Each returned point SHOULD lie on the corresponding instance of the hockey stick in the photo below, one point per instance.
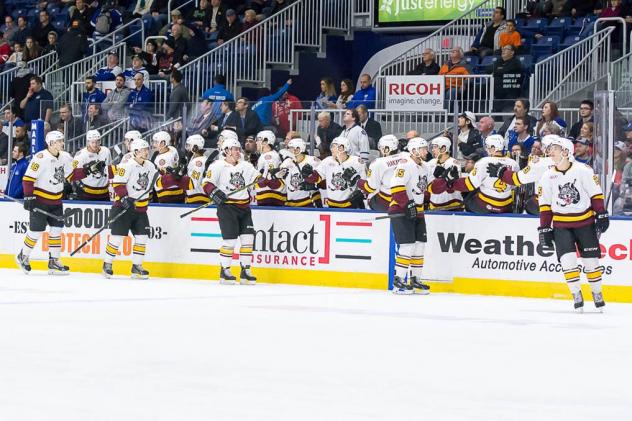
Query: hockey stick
(390, 216)
(38, 210)
(206, 205)
(112, 220)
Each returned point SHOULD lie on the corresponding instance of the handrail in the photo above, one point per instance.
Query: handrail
(177, 8)
(111, 36)
(614, 19)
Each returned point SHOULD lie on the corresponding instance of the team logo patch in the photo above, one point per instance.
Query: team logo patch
(568, 194)
(198, 163)
(422, 185)
(237, 180)
(338, 183)
(295, 181)
(58, 177)
(142, 182)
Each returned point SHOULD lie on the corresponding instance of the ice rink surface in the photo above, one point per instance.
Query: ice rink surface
(84, 348)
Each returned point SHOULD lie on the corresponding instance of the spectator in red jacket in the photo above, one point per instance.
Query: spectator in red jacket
(281, 112)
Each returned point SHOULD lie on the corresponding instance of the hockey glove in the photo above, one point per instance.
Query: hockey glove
(439, 172)
(29, 203)
(218, 197)
(356, 196)
(494, 170)
(411, 210)
(602, 222)
(545, 236)
(305, 186)
(306, 171)
(452, 175)
(351, 176)
(277, 173)
(128, 202)
(94, 167)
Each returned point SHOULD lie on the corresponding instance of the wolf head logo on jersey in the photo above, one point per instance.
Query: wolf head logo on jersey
(568, 194)
(422, 185)
(295, 181)
(142, 182)
(237, 180)
(58, 177)
(337, 182)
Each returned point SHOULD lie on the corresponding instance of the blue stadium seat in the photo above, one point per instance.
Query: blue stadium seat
(531, 27)
(569, 40)
(18, 12)
(53, 9)
(472, 61)
(558, 27)
(60, 25)
(481, 68)
(545, 46)
(527, 63)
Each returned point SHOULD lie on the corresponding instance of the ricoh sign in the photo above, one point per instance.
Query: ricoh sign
(414, 93)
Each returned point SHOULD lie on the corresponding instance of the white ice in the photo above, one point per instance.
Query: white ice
(89, 349)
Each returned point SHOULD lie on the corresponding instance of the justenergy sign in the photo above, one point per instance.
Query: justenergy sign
(414, 93)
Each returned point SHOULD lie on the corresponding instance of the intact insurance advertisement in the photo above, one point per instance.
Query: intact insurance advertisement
(403, 11)
(311, 240)
(507, 248)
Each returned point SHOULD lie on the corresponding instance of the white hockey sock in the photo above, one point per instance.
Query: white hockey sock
(138, 251)
(593, 273)
(114, 242)
(402, 260)
(54, 242)
(571, 271)
(30, 240)
(245, 250)
(226, 253)
(417, 259)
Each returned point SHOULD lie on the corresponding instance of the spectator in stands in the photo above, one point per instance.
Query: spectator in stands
(371, 127)
(411, 134)
(428, 65)
(72, 45)
(5, 49)
(82, 13)
(250, 20)
(327, 96)
(38, 103)
(507, 74)
(179, 96)
(556, 8)
(106, 18)
(550, 113)
(586, 131)
(158, 10)
(583, 151)
(69, 125)
(203, 120)
(31, 50)
(229, 119)
(263, 107)
(92, 94)
(585, 116)
(454, 67)
(94, 119)
(366, 94)
(486, 127)
(17, 55)
(23, 30)
(9, 28)
(111, 70)
(469, 139)
(536, 149)
(249, 122)
(18, 169)
(137, 67)
(346, 94)
(218, 16)
(201, 16)
(487, 40)
(149, 57)
(581, 8)
(140, 102)
(10, 117)
(521, 109)
(520, 135)
(510, 36)
(179, 44)
(326, 132)
(229, 29)
(114, 104)
(517, 152)
(279, 5)
(20, 85)
(20, 133)
(43, 27)
(166, 59)
(196, 45)
(51, 44)
(217, 94)
(281, 112)
(4, 141)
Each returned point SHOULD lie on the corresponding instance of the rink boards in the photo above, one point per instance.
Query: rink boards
(496, 255)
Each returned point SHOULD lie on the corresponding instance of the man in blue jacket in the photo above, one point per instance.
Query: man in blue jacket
(217, 94)
(140, 102)
(18, 169)
(263, 107)
(92, 95)
(366, 94)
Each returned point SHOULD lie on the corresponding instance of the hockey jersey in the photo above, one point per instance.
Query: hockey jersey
(379, 177)
(445, 200)
(94, 186)
(193, 180)
(133, 179)
(229, 178)
(166, 190)
(293, 180)
(46, 175)
(167, 159)
(532, 173)
(272, 192)
(338, 190)
(570, 198)
(492, 190)
(358, 142)
(409, 182)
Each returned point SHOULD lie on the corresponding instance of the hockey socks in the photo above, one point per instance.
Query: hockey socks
(417, 259)
(403, 260)
(140, 244)
(111, 249)
(30, 240)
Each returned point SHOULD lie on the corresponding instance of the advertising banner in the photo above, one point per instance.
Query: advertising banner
(414, 93)
(420, 12)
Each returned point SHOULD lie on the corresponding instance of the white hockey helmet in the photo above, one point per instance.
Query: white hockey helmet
(388, 141)
(266, 135)
(93, 135)
(138, 144)
(341, 141)
(570, 146)
(225, 135)
(161, 136)
(441, 142)
(415, 145)
(496, 141)
(132, 135)
(54, 136)
(230, 142)
(298, 143)
(195, 141)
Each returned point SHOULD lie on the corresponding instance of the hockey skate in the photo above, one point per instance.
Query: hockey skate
(23, 263)
(418, 286)
(578, 300)
(401, 287)
(138, 272)
(107, 270)
(246, 277)
(226, 278)
(598, 300)
(56, 268)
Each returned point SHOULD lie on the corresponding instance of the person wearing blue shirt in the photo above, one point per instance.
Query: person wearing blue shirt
(18, 169)
(217, 94)
(520, 135)
(327, 97)
(116, 19)
(366, 94)
(140, 102)
(36, 101)
(263, 107)
(111, 71)
(92, 95)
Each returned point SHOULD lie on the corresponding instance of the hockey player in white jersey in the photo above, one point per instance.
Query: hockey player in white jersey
(572, 216)
(441, 163)
(408, 189)
(271, 189)
(377, 185)
(43, 185)
(340, 173)
(91, 169)
(167, 161)
(225, 183)
(130, 183)
(493, 195)
(192, 182)
(128, 137)
(358, 139)
(299, 192)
